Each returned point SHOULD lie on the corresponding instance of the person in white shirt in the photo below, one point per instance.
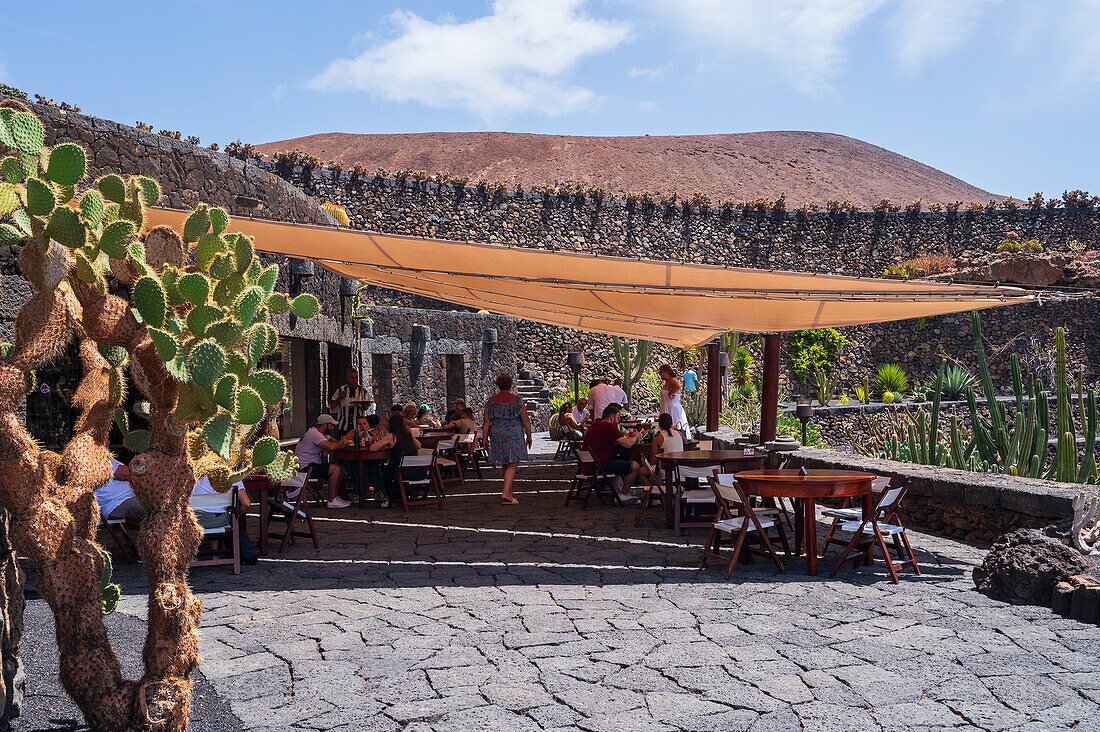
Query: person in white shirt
(342, 400)
(600, 396)
(580, 414)
(116, 498)
(313, 449)
(214, 519)
(620, 395)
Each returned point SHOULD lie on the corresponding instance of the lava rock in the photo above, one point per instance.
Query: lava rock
(1024, 566)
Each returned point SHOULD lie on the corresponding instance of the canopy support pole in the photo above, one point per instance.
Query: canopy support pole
(714, 387)
(769, 398)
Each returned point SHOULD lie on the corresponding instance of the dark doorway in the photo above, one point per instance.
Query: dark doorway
(382, 380)
(456, 378)
(339, 363)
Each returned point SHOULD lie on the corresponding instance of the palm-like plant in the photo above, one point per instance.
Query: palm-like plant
(891, 378)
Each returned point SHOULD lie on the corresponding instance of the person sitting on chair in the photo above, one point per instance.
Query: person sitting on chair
(464, 424)
(581, 414)
(668, 439)
(313, 449)
(116, 497)
(211, 519)
(456, 412)
(602, 438)
(426, 418)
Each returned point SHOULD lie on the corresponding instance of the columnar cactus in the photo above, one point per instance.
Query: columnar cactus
(192, 338)
(631, 362)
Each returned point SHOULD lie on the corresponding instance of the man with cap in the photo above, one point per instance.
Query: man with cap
(313, 449)
(347, 400)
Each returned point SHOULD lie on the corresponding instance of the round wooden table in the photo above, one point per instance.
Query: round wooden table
(807, 487)
(361, 455)
(431, 438)
(696, 458)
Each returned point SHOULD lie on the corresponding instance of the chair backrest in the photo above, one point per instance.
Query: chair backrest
(417, 461)
(727, 494)
(880, 484)
(585, 456)
(467, 439)
(446, 445)
(701, 473)
(292, 487)
(212, 502)
(891, 498)
(429, 451)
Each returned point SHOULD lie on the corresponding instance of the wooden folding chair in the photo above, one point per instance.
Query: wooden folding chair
(735, 518)
(650, 490)
(447, 464)
(423, 485)
(464, 451)
(851, 512)
(871, 532)
(690, 496)
(226, 537)
(116, 529)
(590, 478)
(290, 506)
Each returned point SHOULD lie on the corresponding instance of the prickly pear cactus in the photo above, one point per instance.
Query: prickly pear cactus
(192, 338)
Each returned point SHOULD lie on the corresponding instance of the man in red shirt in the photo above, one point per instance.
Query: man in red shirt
(602, 438)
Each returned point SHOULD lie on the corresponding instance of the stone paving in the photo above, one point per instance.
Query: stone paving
(541, 617)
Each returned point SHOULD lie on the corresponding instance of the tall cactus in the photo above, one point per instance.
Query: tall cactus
(184, 330)
(631, 362)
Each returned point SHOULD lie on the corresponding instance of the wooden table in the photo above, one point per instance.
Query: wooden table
(361, 455)
(261, 485)
(807, 487)
(431, 438)
(697, 458)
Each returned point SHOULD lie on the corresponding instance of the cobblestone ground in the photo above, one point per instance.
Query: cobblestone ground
(540, 617)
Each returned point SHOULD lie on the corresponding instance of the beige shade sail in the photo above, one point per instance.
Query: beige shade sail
(675, 303)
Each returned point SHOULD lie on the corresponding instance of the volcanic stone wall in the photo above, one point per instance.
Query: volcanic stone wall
(861, 244)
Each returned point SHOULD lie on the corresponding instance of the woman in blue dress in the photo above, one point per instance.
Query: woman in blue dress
(506, 424)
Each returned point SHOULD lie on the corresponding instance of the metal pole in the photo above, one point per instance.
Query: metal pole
(769, 399)
(714, 387)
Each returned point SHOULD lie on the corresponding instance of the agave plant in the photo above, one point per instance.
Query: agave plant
(955, 383)
(891, 378)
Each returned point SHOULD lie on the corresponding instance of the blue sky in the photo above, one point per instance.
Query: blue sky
(1002, 93)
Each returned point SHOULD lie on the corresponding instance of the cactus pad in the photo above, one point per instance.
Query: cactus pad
(206, 363)
(219, 219)
(264, 451)
(226, 332)
(67, 165)
(247, 303)
(9, 199)
(283, 467)
(218, 434)
(132, 211)
(237, 364)
(166, 344)
(91, 207)
(112, 188)
(222, 267)
(200, 318)
(148, 189)
(65, 228)
(195, 287)
(115, 355)
(9, 234)
(197, 224)
(12, 172)
(150, 300)
(40, 199)
(27, 132)
(270, 385)
(164, 246)
(209, 247)
(305, 306)
(250, 408)
(137, 441)
(116, 238)
(109, 592)
(266, 279)
(278, 303)
(243, 253)
(225, 392)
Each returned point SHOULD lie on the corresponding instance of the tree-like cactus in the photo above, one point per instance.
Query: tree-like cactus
(183, 330)
(631, 361)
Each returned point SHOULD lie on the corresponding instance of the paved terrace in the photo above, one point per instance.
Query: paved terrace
(539, 617)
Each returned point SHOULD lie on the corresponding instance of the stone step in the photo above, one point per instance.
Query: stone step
(529, 382)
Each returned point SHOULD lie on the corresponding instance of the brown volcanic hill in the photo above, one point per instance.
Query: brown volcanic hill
(806, 166)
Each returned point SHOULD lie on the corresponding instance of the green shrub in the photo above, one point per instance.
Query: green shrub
(891, 378)
(1009, 245)
(558, 399)
(811, 350)
(1033, 246)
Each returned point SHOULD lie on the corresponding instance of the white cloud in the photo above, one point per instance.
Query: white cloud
(804, 39)
(516, 59)
(278, 92)
(650, 72)
(924, 30)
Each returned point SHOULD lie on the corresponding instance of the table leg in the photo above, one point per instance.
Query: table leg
(867, 502)
(799, 523)
(263, 522)
(810, 535)
(362, 484)
(672, 504)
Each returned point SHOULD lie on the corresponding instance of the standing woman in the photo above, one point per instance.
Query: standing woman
(506, 423)
(670, 398)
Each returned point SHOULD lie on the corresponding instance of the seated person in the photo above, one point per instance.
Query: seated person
(116, 498)
(602, 438)
(669, 438)
(426, 418)
(213, 519)
(362, 430)
(581, 414)
(313, 449)
(455, 412)
(569, 423)
(409, 413)
(465, 423)
(404, 444)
